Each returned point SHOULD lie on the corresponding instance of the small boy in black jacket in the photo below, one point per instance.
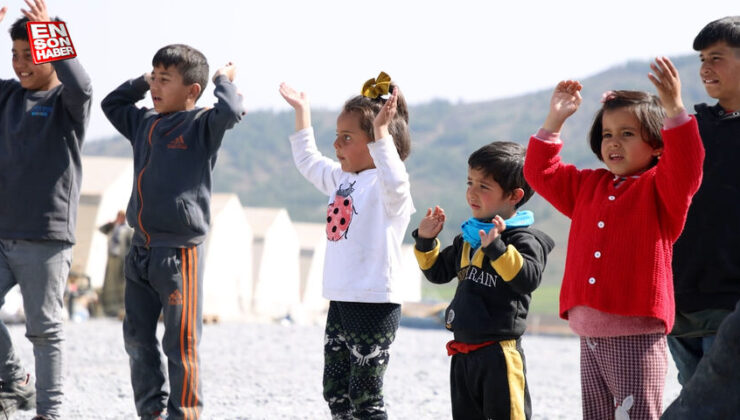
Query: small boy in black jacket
(498, 261)
(175, 149)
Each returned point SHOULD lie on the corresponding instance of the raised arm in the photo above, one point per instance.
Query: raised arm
(668, 84)
(77, 88)
(319, 170)
(299, 102)
(120, 106)
(679, 170)
(566, 99)
(554, 180)
(227, 111)
(521, 262)
(392, 174)
(438, 266)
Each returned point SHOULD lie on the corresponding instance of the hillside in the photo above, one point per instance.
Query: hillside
(255, 160)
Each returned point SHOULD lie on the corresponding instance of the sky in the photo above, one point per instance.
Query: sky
(462, 51)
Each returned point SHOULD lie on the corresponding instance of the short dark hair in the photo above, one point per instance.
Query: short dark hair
(189, 62)
(504, 162)
(726, 29)
(646, 108)
(18, 30)
(366, 109)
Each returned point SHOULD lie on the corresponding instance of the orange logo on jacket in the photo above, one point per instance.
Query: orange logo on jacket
(175, 298)
(177, 143)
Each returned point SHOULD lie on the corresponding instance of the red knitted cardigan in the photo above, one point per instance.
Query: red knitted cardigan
(621, 239)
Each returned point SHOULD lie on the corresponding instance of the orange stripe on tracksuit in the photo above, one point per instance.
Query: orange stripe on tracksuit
(188, 337)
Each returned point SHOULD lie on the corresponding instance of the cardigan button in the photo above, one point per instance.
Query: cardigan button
(612, 198)
(600, 225)
(591, 280)
(597, 254)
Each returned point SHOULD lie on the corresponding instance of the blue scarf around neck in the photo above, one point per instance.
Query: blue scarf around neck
(471, 226)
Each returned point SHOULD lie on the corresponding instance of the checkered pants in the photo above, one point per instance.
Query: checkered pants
(623, 377)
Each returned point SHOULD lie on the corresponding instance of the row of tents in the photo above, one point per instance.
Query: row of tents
(259, 264)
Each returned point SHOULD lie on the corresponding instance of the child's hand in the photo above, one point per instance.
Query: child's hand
(668, 84)
(432, 223)
(293, 97)
(37, 12)
(229, 70)
(385, 116)
(148, 78)
(2, 13)
(299, 102)
(487, 238)
(564, 102)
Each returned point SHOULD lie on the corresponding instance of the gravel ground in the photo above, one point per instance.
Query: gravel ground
(271, 371)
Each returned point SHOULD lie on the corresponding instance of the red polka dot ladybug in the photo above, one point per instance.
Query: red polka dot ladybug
(339, 214)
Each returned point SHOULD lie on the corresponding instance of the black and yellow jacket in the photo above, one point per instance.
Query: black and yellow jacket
(494, 283)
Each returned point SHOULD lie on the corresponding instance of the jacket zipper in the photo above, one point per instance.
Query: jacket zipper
(138, 183)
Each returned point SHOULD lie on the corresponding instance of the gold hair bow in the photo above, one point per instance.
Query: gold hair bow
(377, 87)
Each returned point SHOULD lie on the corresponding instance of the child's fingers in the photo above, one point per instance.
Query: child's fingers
(429, 212)
(669, 67)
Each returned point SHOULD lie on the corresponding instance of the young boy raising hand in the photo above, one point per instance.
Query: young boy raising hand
(43, 119)
(498, 261)
(175, 146)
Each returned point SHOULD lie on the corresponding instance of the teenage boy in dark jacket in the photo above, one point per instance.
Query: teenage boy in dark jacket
(498, 261)
(175, 146)
(43, 117)
(706, 258)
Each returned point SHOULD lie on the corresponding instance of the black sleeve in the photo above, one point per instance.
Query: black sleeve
(438, 266)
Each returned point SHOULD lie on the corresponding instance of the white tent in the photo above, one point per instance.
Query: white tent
(312, 242)
(106, 188)
(276, 279)
(412, 275)
(227, 276)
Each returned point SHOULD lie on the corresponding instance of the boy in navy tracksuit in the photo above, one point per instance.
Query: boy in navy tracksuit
(175, 147)
(498, 261)
(43, 118)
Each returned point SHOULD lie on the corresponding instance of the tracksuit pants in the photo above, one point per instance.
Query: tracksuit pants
(490, 383)
(167, 281)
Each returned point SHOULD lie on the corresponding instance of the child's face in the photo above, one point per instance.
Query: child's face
(623, 148)
(720, 73)
(486, 198)
(169, 92)
(32, 76)
(351, 144)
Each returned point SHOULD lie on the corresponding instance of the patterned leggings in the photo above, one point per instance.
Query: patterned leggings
(623, 377)
(356, 342)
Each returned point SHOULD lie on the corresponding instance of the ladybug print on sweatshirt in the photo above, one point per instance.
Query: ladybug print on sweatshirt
(339, 214)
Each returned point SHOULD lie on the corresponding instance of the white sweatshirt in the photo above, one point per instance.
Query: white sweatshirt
(366, 227)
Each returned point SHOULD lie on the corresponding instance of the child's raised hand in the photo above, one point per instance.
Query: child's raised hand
(293, 97)
(564, 102)
(229, 70)
(37, 11)
(2, 13)
(432, 223)
(487, 238)
(385, 116)
(299, 102)
(668, 84)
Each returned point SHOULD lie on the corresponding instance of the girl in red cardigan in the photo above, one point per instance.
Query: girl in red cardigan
(617, 290)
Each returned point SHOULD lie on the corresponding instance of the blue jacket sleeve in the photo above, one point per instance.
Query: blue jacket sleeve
(76, 93)
(120, 106)
(226, 112)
